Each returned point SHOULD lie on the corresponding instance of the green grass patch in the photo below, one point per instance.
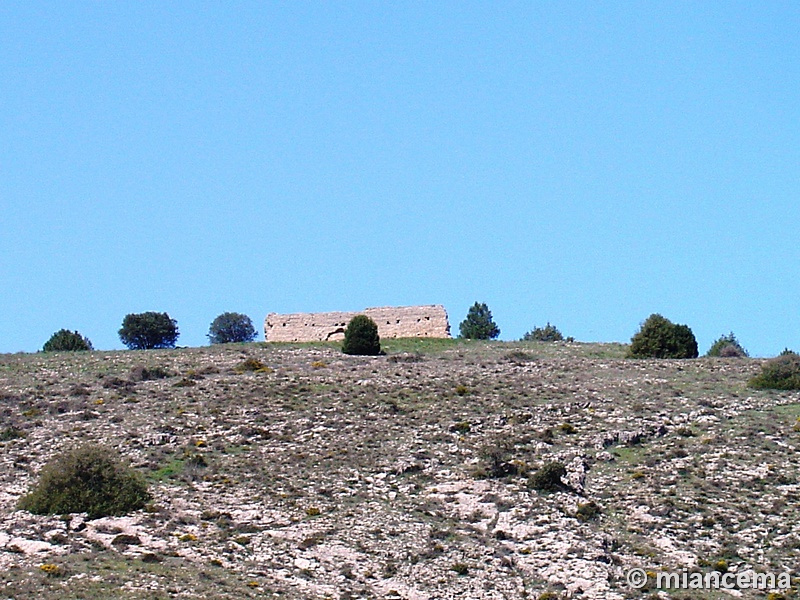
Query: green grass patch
(421, 345)
(633, 455)
(789, 410)
(171, 470)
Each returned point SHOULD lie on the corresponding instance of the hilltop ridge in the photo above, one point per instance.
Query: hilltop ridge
(294, 471)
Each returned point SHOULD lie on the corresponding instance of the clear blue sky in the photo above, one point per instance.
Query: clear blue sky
(583, 163)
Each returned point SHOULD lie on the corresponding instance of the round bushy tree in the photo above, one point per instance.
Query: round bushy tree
(479, 324)
(661, 338)
(548, 333)
(231, 327)
(65, 340)
(89, 479)
(148, 330)
(727, 346)
(361, 337)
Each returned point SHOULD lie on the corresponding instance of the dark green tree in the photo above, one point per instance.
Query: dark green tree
(660, 338)
(148, 330)
(65, 340)
(548, 333)
(90, 479)
(361, 337)
(231, 327)
(727, 346)
(479, 324)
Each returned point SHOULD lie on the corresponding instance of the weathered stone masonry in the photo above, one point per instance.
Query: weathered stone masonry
(393, 322)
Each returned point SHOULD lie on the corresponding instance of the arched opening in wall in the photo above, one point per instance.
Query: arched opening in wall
(336, 335)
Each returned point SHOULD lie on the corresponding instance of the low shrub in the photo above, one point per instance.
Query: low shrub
(406, 357)
(588, 511)
(11, 433)
(252, 365)
(496, 460)
(52, 570)
(779, 373)
(519, 357)
(88, 479)
(548, 333)
(462, 427)
(548, 478)
(142, 373)
(546, 435)
(64, 340)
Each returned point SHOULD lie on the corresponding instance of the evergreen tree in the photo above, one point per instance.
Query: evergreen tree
(479, 324)
(361, 337)
(661, 338)
(727, 346)
(65, 340)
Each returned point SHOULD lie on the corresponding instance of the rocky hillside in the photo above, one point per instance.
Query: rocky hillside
(294, 471)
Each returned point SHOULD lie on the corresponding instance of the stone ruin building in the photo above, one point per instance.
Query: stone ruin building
(392, 322)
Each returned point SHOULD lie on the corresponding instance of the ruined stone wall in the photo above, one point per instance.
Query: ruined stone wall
(392, 322)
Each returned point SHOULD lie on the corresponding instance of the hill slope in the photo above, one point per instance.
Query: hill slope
(404, 476)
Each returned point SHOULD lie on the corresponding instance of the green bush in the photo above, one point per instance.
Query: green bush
(660, 338)
(479, 324)
(142, 373)
(11, 433)
(779, 373)
(231, 327)
(65, 340)
(148, 330)
(727, 346)
(361, 337)
(548, 333)
(548, 478)
(88, 479)
(252, 365)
